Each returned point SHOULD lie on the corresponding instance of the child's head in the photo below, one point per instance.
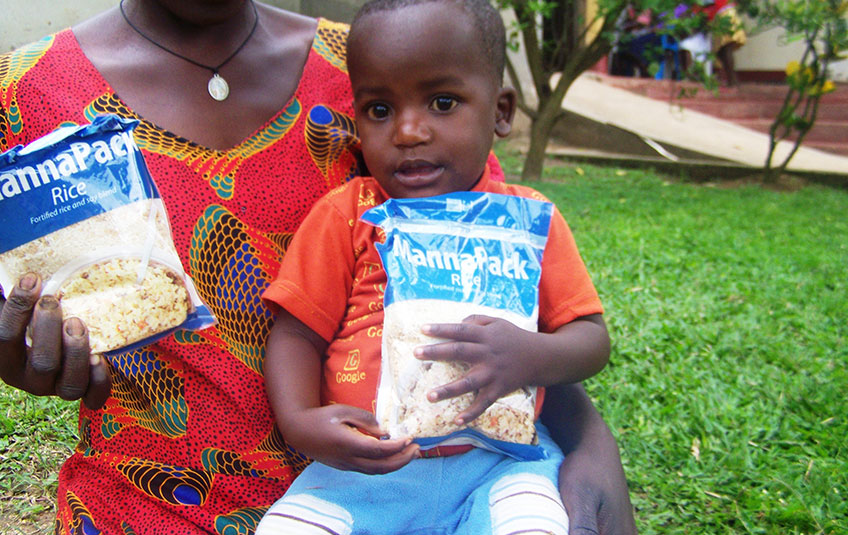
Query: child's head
(428, 94)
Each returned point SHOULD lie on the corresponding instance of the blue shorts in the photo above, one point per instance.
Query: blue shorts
(468, 494)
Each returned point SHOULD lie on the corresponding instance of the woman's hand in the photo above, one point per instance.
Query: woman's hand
(346, 438)
(59, 361)
(595, 494)
(591, 479)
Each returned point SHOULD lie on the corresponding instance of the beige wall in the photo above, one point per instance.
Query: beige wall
(24, 21)
(27, 20)
(767, 51)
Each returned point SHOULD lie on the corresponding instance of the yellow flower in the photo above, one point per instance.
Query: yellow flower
(809, 75)
(822, 88)
(792, 68)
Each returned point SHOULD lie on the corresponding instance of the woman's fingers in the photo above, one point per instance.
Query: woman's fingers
(15, 314)
(45, 357)
(99, 383)
(73, 381)
(58, 361)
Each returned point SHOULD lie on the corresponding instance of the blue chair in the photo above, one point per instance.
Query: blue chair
(670, 48)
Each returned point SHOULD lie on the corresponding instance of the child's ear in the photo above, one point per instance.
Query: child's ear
(507, 98)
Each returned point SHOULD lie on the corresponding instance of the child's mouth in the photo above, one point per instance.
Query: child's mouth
(417, 173)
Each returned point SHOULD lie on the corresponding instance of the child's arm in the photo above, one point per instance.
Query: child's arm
(504, 357)
(337, 435)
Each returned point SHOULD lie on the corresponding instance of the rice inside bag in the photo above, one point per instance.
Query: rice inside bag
(78, 207)
(446, 258)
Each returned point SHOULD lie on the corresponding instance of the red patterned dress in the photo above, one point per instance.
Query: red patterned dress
(186, 443)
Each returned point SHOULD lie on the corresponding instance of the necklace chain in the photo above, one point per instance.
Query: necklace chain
(218, 88)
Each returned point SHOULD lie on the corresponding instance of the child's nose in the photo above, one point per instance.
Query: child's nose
(411, 129)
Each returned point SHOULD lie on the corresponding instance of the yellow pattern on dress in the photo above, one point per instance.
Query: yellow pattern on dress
(218, 168)
(13, 66)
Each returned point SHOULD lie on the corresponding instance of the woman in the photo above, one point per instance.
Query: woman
(245, 121)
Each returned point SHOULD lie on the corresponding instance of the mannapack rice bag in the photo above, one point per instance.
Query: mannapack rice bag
(446, 258)
(79, 208)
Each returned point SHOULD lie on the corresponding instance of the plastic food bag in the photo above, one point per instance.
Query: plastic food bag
(448, 257)
(79, 208)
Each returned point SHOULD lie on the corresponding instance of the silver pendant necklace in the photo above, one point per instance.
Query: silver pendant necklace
(217, 87)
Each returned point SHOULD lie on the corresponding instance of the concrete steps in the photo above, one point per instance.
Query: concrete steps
(753, 105)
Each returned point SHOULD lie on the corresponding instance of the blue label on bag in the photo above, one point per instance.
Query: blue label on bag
(483, 248)
(70, 175)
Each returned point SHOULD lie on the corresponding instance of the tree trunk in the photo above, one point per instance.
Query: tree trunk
(534, 162)
(541, 127)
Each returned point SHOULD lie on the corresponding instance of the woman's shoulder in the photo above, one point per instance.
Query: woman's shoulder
(47, 83)
(330, 44)
(305, 29)
(28, 55)
(282, 22)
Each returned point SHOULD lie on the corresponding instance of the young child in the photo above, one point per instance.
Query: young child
(428, 96)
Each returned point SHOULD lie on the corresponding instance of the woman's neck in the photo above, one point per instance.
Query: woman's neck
(172, 93)
(190, 28)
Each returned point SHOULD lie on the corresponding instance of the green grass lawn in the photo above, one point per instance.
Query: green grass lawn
(727, 383)
(36, 434)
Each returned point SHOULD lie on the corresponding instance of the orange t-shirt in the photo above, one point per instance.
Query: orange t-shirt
(332, 280)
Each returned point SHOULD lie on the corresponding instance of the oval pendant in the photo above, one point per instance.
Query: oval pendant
(218, 88)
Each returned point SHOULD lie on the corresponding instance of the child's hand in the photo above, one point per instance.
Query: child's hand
(345, 437)
(500, 355)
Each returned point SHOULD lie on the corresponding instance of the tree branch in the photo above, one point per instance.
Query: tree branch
(518, 86)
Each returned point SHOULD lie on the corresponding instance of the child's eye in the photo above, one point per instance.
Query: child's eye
(377, 111)
(444, 103)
